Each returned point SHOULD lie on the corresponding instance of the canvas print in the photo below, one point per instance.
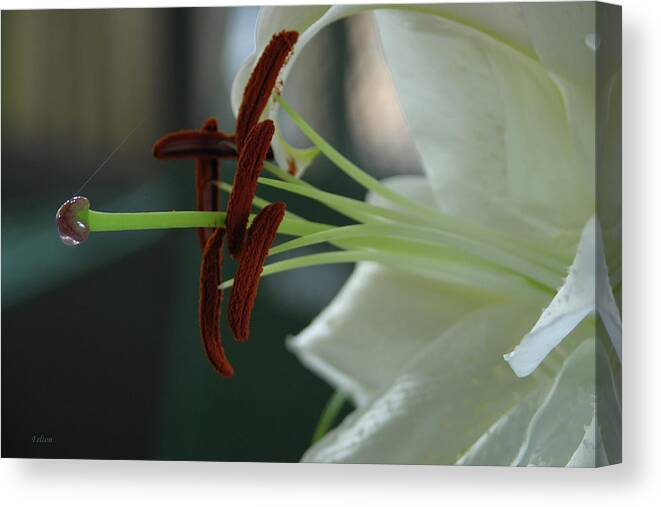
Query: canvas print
(384, 234)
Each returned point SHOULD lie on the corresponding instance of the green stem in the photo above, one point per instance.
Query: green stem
(99, 221)
(258, 202)
(284, 175)
(535, 253)
(450, 268)
(352, 208)
(417, 240)
(374, 215)
(348, 167)
(329, 414)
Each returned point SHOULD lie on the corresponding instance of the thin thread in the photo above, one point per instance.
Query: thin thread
(107, 159)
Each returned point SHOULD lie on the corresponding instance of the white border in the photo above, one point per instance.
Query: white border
(113, 483)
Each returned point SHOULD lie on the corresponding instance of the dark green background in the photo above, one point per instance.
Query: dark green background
(100, 347)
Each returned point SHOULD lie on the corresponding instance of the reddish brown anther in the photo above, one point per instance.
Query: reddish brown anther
(244, 186)
(246, 279)
(261, 83)
(251, 145)
(193, 144)
(210, 299)
(207, 173)
(291, 166)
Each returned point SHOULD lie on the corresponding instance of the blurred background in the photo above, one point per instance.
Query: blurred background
(100, 345)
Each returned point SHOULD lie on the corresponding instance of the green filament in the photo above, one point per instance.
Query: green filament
(534, 253)
(348, 167)
(329, 414)
(449, 268)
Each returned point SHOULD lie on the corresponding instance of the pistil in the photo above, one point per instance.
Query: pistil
(72, 220)
(75, 221)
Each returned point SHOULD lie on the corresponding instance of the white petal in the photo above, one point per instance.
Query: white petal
(504, 21)
(590, 452)
(414, 187)
(509, 437)
(308, 21)
(574, 301)
(606, 306)
(442, 401)
(585, 454)
(270, 21)
(564, 38)
(378, 321)
(609, 404)
(558, 428)
(565, 41)
(544, 337)
(501, 442)
(381, 318)
(490, 126)
(291, 158)
(344, 341)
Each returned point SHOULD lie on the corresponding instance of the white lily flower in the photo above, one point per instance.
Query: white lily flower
(501, 103)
